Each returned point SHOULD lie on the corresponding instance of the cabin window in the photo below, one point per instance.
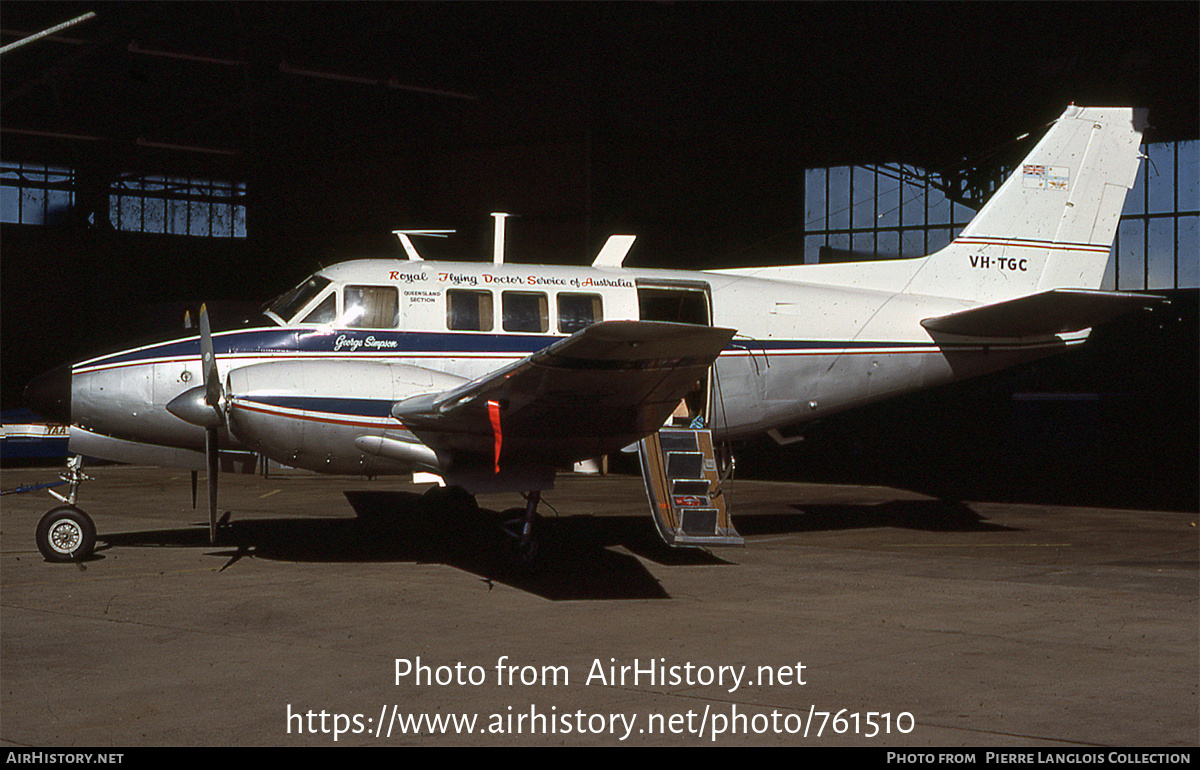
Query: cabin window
(526, 311)
(469, 310)
(287, 305)
(323, 313)
(578, 311)
(371, 307)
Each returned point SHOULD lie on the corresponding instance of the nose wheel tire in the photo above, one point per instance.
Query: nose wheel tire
(66, 534)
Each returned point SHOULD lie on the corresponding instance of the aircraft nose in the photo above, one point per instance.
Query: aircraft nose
(49, 395)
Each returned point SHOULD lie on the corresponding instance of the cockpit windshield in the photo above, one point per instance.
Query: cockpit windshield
(292, 302)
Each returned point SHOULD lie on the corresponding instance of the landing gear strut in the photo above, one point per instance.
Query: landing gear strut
(520, 527)
(526, 545)
(66, 533)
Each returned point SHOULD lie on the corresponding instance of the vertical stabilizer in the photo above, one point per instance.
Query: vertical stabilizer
(1053, 221)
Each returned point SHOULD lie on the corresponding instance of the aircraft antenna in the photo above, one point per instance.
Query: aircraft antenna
(498, 241)
(614, 251)
(406, 242)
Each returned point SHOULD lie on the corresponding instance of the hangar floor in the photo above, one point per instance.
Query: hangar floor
(852, 611)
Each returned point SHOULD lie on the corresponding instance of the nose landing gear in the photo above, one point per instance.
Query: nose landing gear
(66, 533)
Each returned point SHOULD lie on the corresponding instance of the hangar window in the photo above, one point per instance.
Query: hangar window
(525, 311)
(578, 311)
(1159, 233)
(371, 307)
(39, 194)
(876, 212)
(36, 194)
(469, 310)
(179, 206)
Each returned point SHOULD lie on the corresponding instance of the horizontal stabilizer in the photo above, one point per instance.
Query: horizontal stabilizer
(1059, 311)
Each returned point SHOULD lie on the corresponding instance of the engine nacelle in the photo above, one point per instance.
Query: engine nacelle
(309, 414)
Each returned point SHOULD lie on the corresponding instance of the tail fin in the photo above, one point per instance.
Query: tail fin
(1052, 223)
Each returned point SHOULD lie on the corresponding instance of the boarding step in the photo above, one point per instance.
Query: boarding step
(683, 485)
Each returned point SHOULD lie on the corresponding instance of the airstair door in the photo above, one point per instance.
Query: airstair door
(683, 485)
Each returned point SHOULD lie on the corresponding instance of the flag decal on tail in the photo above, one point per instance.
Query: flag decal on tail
(1045, 177)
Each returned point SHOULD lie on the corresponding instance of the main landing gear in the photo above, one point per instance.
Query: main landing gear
(517, 527)
(66, 533)
(527, 547)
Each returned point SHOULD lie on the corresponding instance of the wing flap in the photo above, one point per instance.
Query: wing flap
(1059, 311)
(590, 394)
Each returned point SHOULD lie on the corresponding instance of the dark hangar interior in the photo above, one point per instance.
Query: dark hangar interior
(292, 135)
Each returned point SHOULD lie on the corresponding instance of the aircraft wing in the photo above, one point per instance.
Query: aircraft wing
(593, 393)
(1045, 314)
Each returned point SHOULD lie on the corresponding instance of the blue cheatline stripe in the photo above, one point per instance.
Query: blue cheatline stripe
(368, 343)
(354, 407)
(400, 344)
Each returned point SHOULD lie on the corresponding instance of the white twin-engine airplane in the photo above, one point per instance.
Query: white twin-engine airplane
(494, 375)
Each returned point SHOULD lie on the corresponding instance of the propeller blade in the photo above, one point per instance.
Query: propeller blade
(208, 360)
(212, 397)
(212, 451)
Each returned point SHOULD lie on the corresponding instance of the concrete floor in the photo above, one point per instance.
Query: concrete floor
(929, 622)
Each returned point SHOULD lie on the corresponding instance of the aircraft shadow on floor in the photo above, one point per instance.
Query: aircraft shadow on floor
(575, 559)
(579, 557)
(924, 515)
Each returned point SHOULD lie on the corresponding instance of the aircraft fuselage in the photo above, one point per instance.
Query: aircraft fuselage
(304, 391)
